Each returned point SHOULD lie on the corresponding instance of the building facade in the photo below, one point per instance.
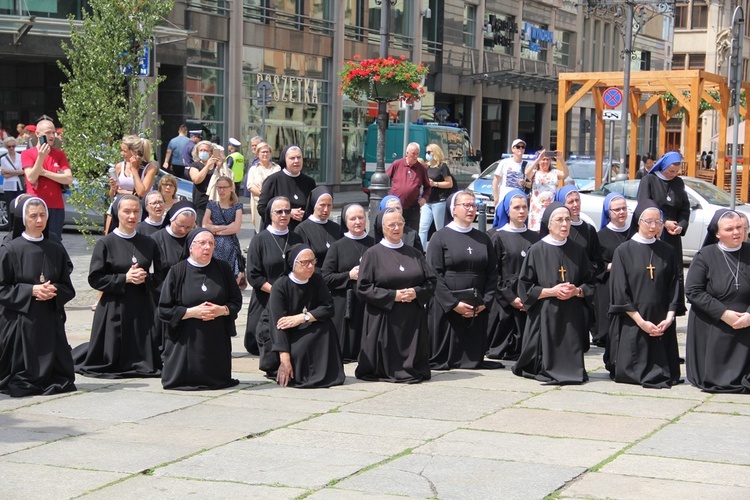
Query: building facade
(493, 69)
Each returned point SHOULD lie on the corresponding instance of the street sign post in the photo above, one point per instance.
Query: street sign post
(612, 98)
(265, 97)
(612, 114)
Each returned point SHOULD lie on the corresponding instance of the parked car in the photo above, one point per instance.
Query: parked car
(705, 199)
(583, 171)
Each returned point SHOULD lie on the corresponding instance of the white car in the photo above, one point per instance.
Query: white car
(705, 199)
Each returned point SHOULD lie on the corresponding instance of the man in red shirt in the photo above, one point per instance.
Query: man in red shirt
(47, 170)
(408, 179)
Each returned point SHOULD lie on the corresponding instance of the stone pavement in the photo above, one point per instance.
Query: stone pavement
(465, 434)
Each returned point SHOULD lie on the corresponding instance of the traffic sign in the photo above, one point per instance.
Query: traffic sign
(612, 114)
(265, 93)
(612, 97)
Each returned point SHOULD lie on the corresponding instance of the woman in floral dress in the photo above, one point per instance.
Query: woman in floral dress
(544, 179)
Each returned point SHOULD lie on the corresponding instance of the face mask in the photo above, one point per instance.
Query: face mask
(203, 155)
(428, 157)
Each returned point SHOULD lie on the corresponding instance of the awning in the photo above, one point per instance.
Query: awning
(516, 79)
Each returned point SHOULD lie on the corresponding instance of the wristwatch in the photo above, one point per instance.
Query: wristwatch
(306, 317)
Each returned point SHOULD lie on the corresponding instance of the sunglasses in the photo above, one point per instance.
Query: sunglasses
(283, 211)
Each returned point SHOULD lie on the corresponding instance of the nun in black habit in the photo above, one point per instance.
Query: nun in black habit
(341, 272)
(318, 231)
(303, 335)
(291, 183)
(555, 279)
(153, 207)
(511, 243)
(170, 240)
(124, 341)
(410, 236)
(35, 357)
(199, 303)
(644, 294)
(718, 288)
(396, 284)
(465, 263)
(266, 262)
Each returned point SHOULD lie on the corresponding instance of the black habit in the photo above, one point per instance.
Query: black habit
(124, 341)
(343, 256)
(506, 323)
(609, 240)
(556, 332)
(197, 353)
(633, 356)
(266, 261)
(462, 261)
(35, 357)
(718, 356)
(313, 347)
(320, 237)
(280, 183)
(396, 342)
(147, 229)
(585, 235)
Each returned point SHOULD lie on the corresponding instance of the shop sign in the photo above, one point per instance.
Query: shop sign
(293, 89)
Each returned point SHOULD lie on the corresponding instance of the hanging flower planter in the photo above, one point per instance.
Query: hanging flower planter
(382, 79)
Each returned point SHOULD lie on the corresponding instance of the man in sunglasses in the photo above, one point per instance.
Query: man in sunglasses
(510, 172)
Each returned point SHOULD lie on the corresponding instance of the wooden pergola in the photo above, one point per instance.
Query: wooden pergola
(646, 91)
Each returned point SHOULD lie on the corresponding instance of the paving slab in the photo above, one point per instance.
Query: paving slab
(82, 452)
(255, 461)
(18, 432)
(611, 404)
(25, 481)
(338, 394)
(728, 408)
(701, 436)
(680, 470)
(8, 403)
(437, 402)
(521, 448)
(264, 400)
(600, 382)
(569, 424)
(443, 477)
(154, 385)
(615, 486)
(146, 432)
(336, 493)
(380, 426)
(743, 399)
(493, 380)
(167, 488)
(114, 404)
(334, 440)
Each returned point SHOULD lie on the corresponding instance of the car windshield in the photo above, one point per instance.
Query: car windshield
(489, 172)
(709, 192)
(628, 188)
(581, 169)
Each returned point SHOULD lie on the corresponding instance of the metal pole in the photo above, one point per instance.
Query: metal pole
(608, 171)
(738, 21)
(626, 83)
(407, 120)
(379, 182)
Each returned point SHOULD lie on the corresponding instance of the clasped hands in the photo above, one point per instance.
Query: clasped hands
(136, 275)
(45, 291)
(405, 295)
(207, 311)
(737, 320)
(467, 310)
(565, 291)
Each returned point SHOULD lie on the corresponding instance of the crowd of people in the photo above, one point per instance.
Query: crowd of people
(398, 302)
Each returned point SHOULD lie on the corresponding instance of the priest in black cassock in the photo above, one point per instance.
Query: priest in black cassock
(718, 288)
(613, 232)
(199, 303)
(642, 344)
(153, 205)
(290, 183)
(124, 342)
(302, 333)
(511, 243)
(318, 230)
(464, 260)
(341, 272)
(584, 234)
(266, 262)
(555, 280)
(663, 185)
(35, 357)
(396, 284)
(410, 236)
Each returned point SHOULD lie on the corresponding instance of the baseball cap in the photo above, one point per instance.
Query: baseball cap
(517, 142)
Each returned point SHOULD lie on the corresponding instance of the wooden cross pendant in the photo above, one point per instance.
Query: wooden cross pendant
(562, 273)
(650, 268)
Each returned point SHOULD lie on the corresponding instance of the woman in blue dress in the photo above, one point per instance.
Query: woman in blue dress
(224, 219)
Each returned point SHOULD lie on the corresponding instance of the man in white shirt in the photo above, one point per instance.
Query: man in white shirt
(509, 174)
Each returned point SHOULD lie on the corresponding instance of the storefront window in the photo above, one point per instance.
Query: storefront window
(536, 40)
(298, 114)
(355, 120)
(500, 32)
(204, 86)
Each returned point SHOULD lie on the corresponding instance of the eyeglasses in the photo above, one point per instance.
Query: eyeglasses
(170, 186)
(467, 206)
(223, 187)
(395, 225)
(618, 210)
(205, 244)
(652, 223)
(155, 203)
(264, 152)
(10, 147)
(561, 220)
(307, 263)
(283, 211)
(519, 147)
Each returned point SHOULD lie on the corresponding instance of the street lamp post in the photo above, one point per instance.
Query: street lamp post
(379, 182)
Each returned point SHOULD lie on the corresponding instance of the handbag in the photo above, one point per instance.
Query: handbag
(351, 300)
(469, 295)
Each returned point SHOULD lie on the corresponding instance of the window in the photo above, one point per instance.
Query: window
(678, 61)
(470, 25)
(645, 58)
(499, 33)
(595, 46)
(535, 42)
(561, 55)
(204, 84)
(697, 61)
(681, 16)
(605, 48)
(699, 15)
(354, 19)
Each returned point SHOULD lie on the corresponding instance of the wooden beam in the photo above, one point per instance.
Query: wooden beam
(579, 95)
(599, 142)
(663, 118)
(650, 102)
(562, 116)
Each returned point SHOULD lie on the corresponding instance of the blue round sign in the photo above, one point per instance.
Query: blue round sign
(612, 97)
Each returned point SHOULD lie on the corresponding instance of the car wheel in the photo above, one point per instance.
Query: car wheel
(4, 222)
